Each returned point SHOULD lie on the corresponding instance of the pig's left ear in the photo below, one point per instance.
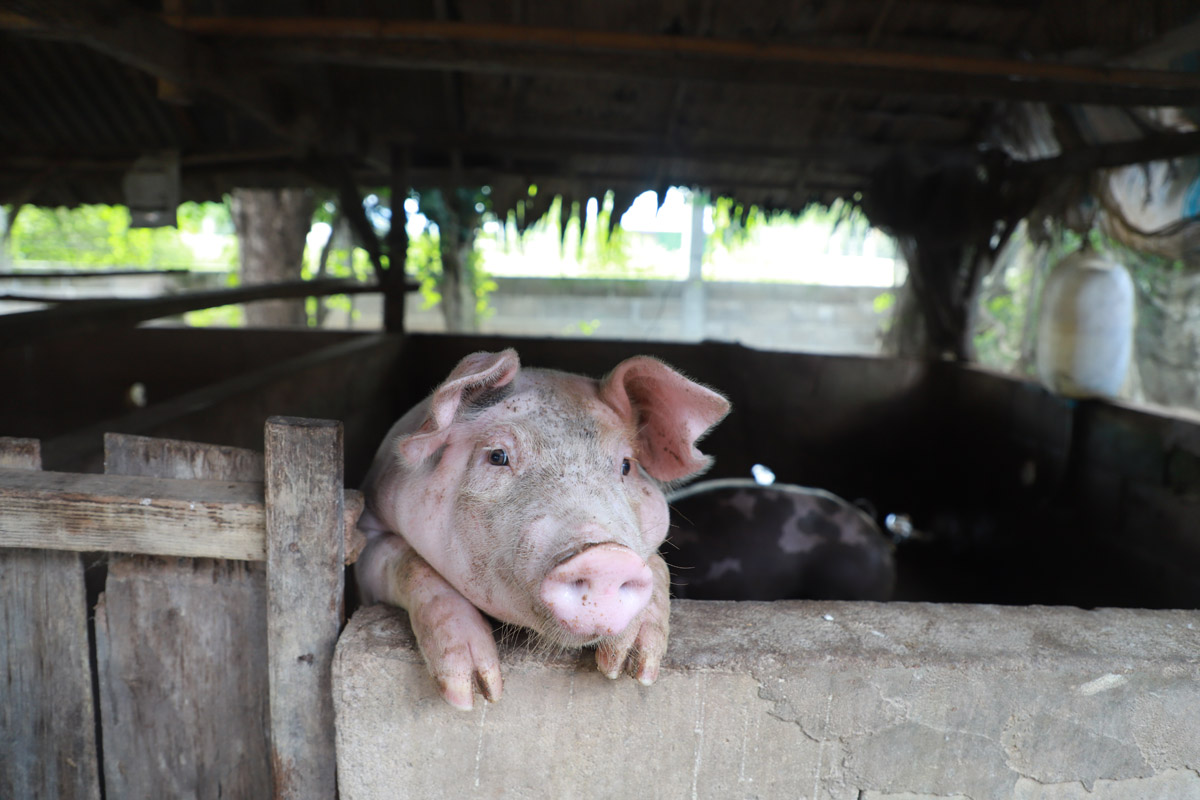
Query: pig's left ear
(475, 378)
(671, 412)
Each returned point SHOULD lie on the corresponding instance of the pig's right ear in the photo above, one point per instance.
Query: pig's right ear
(475, 375)
(671, 414)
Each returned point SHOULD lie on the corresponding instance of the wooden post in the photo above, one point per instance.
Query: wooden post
(47, 716)
(305, 584)
(182, 649)
(395, 285)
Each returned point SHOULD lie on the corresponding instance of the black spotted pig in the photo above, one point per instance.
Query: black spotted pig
(535, 497)
(736, 540)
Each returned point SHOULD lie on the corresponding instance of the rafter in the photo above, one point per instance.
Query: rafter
(171, 53)
(420, 44)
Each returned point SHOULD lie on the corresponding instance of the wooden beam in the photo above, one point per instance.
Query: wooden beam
(1115, 154)
(500, 48)
(145, 42)
(141, 515)
(396, 241)
(73, 274)
(150, 516)
(84, 316)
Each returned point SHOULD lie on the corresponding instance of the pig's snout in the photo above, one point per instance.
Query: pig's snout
(599, 591)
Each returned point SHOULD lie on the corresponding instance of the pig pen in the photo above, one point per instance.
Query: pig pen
(990, 677)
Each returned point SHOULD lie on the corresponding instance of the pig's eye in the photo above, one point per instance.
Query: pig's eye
(626, 466)
(498, 458)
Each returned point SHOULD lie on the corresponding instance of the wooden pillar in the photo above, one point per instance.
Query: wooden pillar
(305, 582)
(47, 715)
(395, 289)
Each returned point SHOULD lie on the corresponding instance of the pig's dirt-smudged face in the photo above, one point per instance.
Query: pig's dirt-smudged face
(535, 476)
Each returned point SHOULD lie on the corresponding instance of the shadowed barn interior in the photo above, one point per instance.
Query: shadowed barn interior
(948, 122)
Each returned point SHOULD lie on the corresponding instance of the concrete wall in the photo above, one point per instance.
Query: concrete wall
(829, 701)
(822, 319)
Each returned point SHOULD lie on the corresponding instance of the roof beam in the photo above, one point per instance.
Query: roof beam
(502, 48)
(147, 43)
(1160, 147)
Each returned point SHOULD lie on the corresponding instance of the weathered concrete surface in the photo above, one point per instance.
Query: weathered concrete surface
(841, 701)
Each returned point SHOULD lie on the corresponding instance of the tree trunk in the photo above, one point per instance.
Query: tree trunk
(458, 288)
(457, 284)
(272, 225)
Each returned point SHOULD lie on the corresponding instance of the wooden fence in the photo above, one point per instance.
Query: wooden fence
(214, 632)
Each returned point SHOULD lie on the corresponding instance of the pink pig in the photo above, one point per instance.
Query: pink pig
(535, 497)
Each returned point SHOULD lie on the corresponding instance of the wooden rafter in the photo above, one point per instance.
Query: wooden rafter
(528, 49)
(141, 39)
(171, 53)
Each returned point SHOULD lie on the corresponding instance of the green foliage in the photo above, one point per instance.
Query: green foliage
(733, 222)
(604, 255)
(582, 328)
(220, 317)
(233, 316)
(883, 302)
(1008, 304)
(424, 262)
(100, 236)
(484, 285)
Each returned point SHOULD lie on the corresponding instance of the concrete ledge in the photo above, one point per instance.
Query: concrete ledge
(841, 701)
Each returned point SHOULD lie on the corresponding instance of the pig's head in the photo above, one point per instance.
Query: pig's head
(539, 495)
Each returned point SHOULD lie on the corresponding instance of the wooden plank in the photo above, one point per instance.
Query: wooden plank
(86, 316)
(305, 590)
(148, 516)
(146, 456)
(113, 513)
(20, 453)
(87, 274)
(47, 718)
(182, 650)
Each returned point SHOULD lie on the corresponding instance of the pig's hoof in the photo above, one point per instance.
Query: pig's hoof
(638, 653)
(459, 690)
(459, 650)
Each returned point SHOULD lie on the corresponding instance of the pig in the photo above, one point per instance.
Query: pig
(535, 497)
(733, 539)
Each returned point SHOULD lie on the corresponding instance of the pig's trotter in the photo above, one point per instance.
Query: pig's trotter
(453, 636)
(640, 650)
(459, 649)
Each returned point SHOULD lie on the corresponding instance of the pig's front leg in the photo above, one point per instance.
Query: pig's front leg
(640, 650)
(453, 636)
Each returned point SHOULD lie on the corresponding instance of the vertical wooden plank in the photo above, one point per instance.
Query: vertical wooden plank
(181, 647)
(305, 584)
(47, 718)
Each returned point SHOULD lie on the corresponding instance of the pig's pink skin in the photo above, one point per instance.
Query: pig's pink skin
(451, 531)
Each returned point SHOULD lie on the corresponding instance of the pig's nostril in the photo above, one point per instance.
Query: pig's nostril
(598, 591)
